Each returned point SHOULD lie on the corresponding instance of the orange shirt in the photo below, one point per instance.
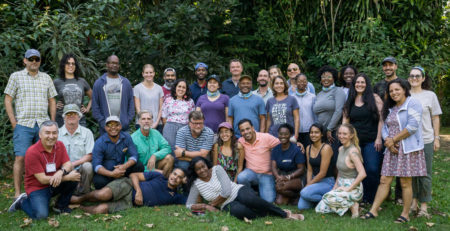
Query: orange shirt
(257, 155)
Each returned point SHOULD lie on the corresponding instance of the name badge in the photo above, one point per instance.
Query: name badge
(50, 167)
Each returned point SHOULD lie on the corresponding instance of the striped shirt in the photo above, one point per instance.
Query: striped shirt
(185, 140)
(219, 185)
(31, 96)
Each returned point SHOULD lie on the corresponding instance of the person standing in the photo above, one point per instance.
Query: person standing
(198, 88)
(71, 88)
(34, 95)
(230, 86)
(346, 76)
(305, 100)
(389, 66)
(113, 96)
(292, 71)
(170, 76)
(263, 90)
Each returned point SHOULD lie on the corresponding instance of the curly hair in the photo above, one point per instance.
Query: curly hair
(62, 66)
(389, 102)
(327, 68)
(173, 90)
(341, 74)
(191, 174)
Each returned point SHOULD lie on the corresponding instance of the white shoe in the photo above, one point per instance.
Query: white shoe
(17, 204)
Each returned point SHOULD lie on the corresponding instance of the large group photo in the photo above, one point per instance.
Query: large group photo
(113, 133)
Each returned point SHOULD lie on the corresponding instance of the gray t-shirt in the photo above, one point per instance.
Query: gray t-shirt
(70, 91)
(281, 112)
(149, 98)
(113, 93)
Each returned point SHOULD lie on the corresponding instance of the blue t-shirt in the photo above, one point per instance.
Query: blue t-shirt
(287, 160)
(156, 192)
(249, 108)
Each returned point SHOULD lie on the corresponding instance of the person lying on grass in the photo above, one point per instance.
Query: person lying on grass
(214, 185)
(148, 188)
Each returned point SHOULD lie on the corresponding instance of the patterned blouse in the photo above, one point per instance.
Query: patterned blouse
(228, 163)
(177, 111)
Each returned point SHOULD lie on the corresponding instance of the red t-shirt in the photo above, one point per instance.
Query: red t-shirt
(35, 162)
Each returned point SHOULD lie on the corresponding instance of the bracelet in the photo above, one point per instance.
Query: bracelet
(437, 137)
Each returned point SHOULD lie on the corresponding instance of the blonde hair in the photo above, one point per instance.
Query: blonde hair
(354, 140)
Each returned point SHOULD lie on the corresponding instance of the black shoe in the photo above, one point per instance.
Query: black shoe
(62, 210)
(17, 204)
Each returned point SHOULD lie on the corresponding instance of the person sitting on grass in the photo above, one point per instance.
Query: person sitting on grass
(288, 167)
(214, 185)
(48, 172)
(148, 188)
(348, 190)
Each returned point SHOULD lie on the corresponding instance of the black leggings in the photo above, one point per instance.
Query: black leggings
(248, 204)
(101, 181)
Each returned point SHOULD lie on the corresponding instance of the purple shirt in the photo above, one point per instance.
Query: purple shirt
(214, 112)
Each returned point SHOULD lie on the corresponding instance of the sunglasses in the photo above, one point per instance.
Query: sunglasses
(415, 76)
(293, 69)
(70, 64)
(32, 59)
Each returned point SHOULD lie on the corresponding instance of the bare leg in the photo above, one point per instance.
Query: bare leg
(18, 173)
(104, 194)
(355, 210)
(382, 193)
(166, 165)
(289, 190)
(406, 183)
(100, 208)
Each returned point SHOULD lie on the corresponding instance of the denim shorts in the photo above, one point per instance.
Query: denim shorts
(24, 137)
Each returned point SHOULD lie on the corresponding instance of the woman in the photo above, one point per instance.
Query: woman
(319, 175)
(288, 166)
(346, 76)
(274, 71)
(175, 110)
(281, 108)
(227, 152)
(329, 104)
(213, 104)
(148, 96)
(404, 156)
(213, 184)
(363, 110)
(421, 90)
(348, 190)
(305, 101)
(71, 88)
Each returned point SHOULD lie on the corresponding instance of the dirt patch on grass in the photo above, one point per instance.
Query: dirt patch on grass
(445, 143)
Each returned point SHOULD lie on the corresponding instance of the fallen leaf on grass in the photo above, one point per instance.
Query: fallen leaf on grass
(117, 216)
(87, 214)
(150, 226)
(26, 222)
(74, 206)
(429, 224)
(77, 216)
(412, 228)
(157, 209)
(189, 214)
(248, 221)
(224, 228)
(176, 214)
(268, 223)
(53, 222)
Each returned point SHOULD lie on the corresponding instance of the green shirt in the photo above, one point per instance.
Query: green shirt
(153, 144)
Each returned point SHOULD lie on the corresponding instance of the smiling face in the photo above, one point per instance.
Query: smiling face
(263, 78)
(284, 135)
(32, 64)
(201, 73)
(389, 69)
(360, 85)
(112, 65)
(148, 74)
(315, 134)
(175, 178)
(48, 135)
(326, 79)
(349, 74)
(201, 169)
(293, 70)
(247, 131)
(236, 68)
(146, 121)
(278, 86)
(397, 93)
(344, 135)
(196, 126)
(180, 90)
(302, 83)
(71, 118)
(415, 78)
(225, 134)
(245, 85)
(213, 85)
(113, 129)
(69, 68)
(273, 72)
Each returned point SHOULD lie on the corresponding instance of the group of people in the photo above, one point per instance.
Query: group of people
(216, 145)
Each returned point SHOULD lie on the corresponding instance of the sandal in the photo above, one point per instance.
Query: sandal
(401, 220)
(368, 216)
(424, 213)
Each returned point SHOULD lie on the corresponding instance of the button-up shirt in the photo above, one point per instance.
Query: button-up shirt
(78, 144)
(108, 154)
(265, 97)
(31, 94)
(230, 88)
(153, 144)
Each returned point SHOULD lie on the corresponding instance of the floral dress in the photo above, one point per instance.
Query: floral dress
(229, 163)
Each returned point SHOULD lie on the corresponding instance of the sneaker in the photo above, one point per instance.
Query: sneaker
(17, 204)
(62, 210)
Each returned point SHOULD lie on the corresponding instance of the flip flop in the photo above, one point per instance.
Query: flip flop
(401, 220)
(368, 216)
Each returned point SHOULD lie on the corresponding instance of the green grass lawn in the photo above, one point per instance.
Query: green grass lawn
(179, 218)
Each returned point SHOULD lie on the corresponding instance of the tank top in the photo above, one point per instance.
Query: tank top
(229, 163)
(315, 163)
(364, 122)
(344, 170)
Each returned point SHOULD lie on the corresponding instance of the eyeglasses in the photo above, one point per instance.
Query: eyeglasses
(196, 124)
(70, 63)
(326, 77)
(415, 76)
(32, 59)
(113, 125)
(292, 69)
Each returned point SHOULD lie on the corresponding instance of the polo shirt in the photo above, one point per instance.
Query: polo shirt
(153, 144)
(36, 159)
(155, 191)
(257, 155)
(108, 154)
(197, 90)
(185, 140)
(228, 88)
(79, 144)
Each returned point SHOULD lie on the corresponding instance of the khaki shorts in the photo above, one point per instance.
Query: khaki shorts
(122, 194)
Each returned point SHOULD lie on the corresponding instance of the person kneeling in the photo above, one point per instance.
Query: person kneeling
(148, 188)
(48, 172)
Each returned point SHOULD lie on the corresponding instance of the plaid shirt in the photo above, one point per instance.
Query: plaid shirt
(31, 96)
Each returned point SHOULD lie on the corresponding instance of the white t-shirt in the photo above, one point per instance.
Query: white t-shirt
(430, 107)
(149, 98)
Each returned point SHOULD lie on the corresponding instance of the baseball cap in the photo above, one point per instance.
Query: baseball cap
(216, 77)
(224, 125)
(201, 65)
(112, 118)
(389, 59)
(32, 52)
(245, 77)
(71, 108)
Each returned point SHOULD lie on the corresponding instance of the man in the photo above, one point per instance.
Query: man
(257, 147)
(170, 75)
(389, 65)
(34, 95)
(112, 96)
(48, 172)
(230, 86)
(198, 88)
(153, 149)
(149, 189)
(292, 71)
(110, 153)
(193, 140)
(79, 142)
(245, 105)
(263, 86)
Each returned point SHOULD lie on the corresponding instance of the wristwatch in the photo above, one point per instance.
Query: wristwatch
(183, 153)
(437, 137)
(65, 172)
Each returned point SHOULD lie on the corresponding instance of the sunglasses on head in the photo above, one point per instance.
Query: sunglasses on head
(32, 59)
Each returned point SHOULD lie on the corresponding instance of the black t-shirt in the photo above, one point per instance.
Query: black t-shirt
(365, 123)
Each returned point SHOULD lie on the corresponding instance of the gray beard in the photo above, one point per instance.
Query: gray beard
(169, 83)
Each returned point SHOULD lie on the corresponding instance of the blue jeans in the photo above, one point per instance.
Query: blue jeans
(312, 194)
(24, 137)
(265, 182)
(36, 205)
(372, 161)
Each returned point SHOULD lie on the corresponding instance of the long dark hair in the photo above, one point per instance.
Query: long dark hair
(341, 74)
(322, 130)
(192, 175)
(367, 97)
(233, 141)
(427, 83)
(173, 90)
(62, 66)
(389, 102)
